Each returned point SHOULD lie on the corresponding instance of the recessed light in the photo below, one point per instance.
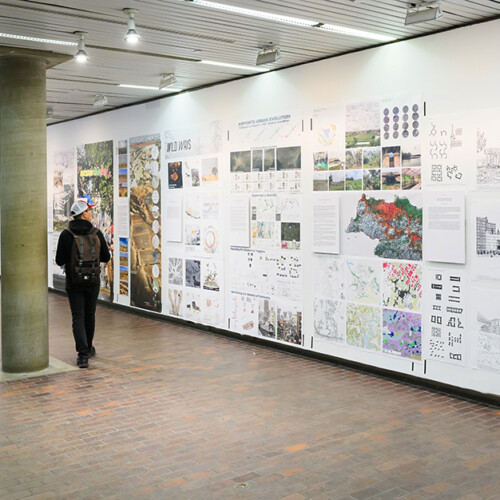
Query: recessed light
(146, 87)
(304, 23)
(38, 40)
(236, 66)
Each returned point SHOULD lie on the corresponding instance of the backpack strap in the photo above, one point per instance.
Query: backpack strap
(92, 232)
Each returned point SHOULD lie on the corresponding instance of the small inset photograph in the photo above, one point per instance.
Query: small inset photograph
(391, 179)
(290, 235)
(195, 177)
(371, 180)
(241, 161)
(336, 181)
(353, 158)
(391, 157)
(269, 159)
(257, 160)
(175, 175)
(320, 161)
(354, 180)
(411, 155)
(320, 181)
(193, 273)
(210, 170)
(288, 158)
(336, 160)
(411, 178)
(371, 157)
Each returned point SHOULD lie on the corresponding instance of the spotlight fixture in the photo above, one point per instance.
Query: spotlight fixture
(268, 55)
(132, 36)
(81, 55)
(167, 81)
(100, 101)
(421, 12)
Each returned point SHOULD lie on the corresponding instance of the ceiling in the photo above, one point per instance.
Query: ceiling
(177, 34)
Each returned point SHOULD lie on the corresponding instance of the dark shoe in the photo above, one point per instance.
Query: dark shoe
(92, 352)
(82, 361)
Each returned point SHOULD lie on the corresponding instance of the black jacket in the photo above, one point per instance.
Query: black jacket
(65, 243)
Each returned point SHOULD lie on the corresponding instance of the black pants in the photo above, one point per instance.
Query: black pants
(82, 302)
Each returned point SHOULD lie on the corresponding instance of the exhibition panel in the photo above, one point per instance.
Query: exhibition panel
(349, 207)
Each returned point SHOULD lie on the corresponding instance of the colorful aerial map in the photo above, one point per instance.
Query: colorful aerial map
(397, 224)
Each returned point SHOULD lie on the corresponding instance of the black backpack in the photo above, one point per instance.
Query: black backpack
(84, 267)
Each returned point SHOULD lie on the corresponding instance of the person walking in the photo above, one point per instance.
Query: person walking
(82, 278)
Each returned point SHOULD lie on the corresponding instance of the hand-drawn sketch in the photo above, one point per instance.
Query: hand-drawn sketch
(486, 329)
(329, 277)
(362, 281)
(329, 319)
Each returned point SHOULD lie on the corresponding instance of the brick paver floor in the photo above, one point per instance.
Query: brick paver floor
(166, 411)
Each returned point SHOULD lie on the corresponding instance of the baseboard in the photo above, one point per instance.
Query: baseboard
(411, 380)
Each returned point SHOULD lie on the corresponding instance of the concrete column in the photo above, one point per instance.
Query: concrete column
(23, 199)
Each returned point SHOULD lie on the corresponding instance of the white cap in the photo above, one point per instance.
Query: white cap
(80, 206)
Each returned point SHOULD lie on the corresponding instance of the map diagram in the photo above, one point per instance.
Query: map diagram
(328, 276)
(402, 285)
(397, 225)
(363, 282)
(402, 333)
(329, 319)
(363, 326)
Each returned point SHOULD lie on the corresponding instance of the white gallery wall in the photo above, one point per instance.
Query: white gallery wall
(282, 208)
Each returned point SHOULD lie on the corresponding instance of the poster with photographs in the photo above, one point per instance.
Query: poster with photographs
(266, 154)
(124, 266)
(195, 271)
(445, 324)
(63, 196)
(271, 283)
(275, 221)
(401, 131)
(328, 149)
(486, 239)
(122, 169)
(95, 182)
(362, 146)
(145, 223)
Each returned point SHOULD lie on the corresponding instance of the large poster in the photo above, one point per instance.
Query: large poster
(95, 182)
(486, 329)
(486, 244)
(266, 155)
(266, 279)
(145, 222)
(63, 197)
(445, 338)
(488, 150)
(194, 233)
(447, 149)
